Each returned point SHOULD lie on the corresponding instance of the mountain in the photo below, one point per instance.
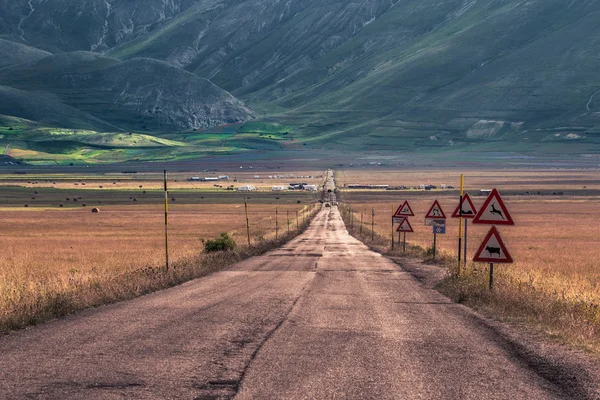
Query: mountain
(17, 53)
(137, 94)
(397, 75)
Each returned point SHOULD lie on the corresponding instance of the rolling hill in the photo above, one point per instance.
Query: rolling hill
(425, 75)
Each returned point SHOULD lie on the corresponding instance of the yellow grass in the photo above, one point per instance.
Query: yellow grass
(54, 253)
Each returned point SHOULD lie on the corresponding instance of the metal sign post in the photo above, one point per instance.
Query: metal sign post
(465, 249)
(491, 276)
(288, 220)
(392, 227)
(276, 223)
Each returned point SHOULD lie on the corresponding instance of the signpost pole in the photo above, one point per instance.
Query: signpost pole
(434, 243)
(276, 223)
(491, 276)
(288, 220)
(462, 180)
(404, 247)
(166, 222)
(392, 228)
(465, 249)
(247, 220)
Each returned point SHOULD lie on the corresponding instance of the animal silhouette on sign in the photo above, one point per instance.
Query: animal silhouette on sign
(468, 212)
(493, 250)
(497, 212)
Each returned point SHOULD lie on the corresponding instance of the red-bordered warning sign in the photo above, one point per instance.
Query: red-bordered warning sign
(468, 208)
(435, 212)
(405, 226)
(492, 249)
(404, 211)
(493, 211)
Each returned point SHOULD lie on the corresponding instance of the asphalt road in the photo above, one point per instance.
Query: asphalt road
(321, 318)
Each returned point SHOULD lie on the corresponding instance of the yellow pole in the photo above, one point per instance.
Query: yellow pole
(460, 219)
(166, 222)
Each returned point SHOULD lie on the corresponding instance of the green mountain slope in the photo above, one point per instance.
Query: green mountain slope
(17, 53)
(396, 75)
(141, 94)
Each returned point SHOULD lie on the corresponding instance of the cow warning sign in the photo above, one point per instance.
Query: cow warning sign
(468, 208)
(493, 211)
(492, 249)
(405, 226)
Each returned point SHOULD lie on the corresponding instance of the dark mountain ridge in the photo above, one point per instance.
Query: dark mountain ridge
(373, 74)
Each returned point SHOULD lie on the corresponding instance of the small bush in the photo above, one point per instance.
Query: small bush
(222, 243)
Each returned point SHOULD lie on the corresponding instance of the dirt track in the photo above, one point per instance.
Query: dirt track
(321, 318)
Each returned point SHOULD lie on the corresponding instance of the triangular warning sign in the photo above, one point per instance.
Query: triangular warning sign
(405, 226)
(492, 249)
(468, 208)
(435, 212)
(404, 211)
(493, 211)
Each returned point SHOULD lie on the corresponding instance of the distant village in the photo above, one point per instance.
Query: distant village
(249, 188)
(401, 187)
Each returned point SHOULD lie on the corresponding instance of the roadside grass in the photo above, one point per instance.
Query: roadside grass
(55, 263)
(554, 285)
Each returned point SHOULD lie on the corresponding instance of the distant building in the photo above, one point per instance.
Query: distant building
(211, 179)
(278, 188)
(361, 186)
(223, 178)
(311, 188)
(246, 188)
(195, 178)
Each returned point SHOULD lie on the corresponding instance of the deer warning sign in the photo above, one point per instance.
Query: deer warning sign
(468, 208)
(493, 211)
(405, 226)
(404, 211)
(492, 249)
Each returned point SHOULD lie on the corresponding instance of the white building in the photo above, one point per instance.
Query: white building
(311, 188)
(278, 188)
(247, 188)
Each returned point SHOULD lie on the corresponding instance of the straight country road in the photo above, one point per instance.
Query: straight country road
(321, 318)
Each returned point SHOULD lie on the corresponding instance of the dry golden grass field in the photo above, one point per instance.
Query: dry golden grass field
(554, 242)
(59, 259)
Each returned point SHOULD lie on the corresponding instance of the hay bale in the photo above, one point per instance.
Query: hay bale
(95, 210)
